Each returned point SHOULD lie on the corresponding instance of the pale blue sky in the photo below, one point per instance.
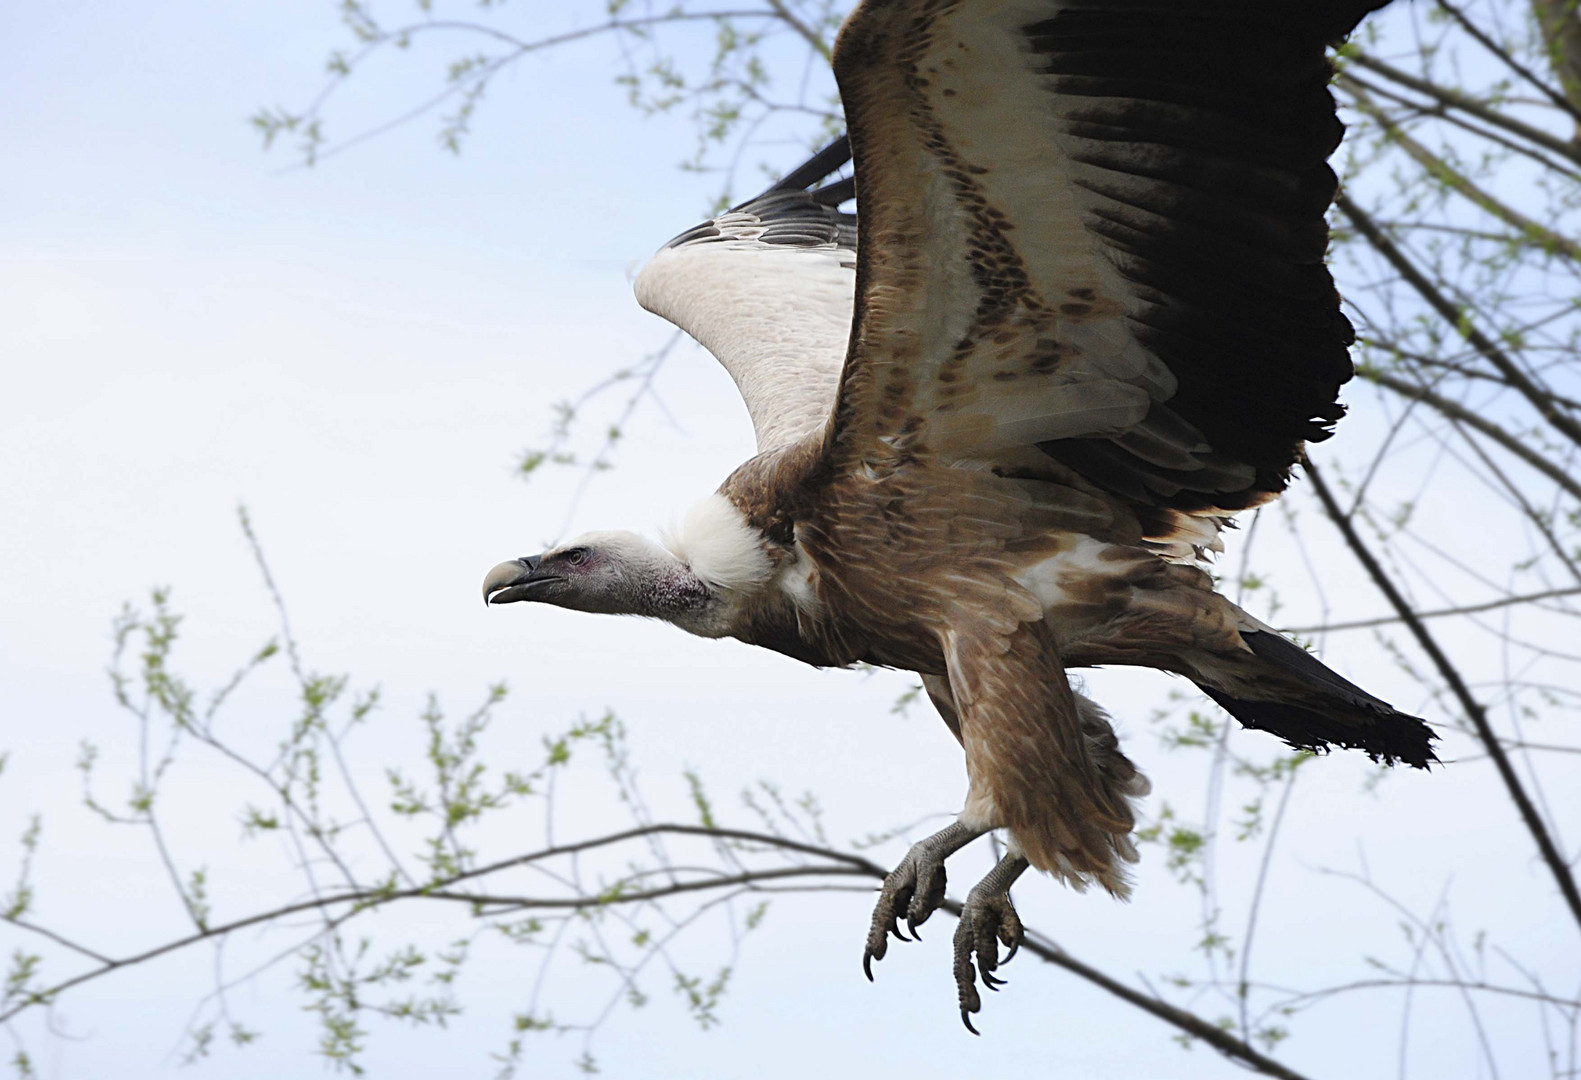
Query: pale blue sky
(357, 352)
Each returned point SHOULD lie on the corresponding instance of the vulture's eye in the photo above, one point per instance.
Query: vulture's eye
(576, 556)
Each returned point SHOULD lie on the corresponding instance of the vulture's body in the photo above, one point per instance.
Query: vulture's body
(1086, 319)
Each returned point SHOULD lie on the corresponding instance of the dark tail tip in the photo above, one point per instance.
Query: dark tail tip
(1328, 710)
(1382, 734)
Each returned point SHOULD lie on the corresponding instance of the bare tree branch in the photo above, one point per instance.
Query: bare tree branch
(1526, 73)
(838, 863)
(1440, 170)
(1456, 318)
(1467, 609)
(1456, 100)
(1451, 365)
(1558, 865)
(1462, 415)
(807, 33)
(1561, 31)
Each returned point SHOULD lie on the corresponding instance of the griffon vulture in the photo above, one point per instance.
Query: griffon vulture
(1086, 317)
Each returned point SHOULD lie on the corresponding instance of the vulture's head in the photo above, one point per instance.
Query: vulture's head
(699, 579)
(610, 573)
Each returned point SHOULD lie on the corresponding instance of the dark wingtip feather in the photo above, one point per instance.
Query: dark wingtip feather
(794, 212)
(818, 167)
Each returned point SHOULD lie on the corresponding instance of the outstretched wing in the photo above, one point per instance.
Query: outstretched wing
(767, 287)
(1092, 241)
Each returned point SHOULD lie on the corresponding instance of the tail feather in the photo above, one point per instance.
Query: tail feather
(1312, 707)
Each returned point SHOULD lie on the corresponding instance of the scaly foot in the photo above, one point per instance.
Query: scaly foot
(988, 919)
(913, 890)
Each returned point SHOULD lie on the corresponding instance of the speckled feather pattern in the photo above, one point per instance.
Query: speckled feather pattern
(1091, 319)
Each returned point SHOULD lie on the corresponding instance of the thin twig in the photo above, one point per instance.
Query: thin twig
(1456, 100)
(1439, 613)
(1460, 414)
(1439, 169)
(1474, 711)
(838, 864)
(1212, 1034)
(1457, 318)
(1513, 64)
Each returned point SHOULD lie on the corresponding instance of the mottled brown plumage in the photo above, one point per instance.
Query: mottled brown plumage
(1088, 319)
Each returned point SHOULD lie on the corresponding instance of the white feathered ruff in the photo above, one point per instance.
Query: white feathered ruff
(714, 539)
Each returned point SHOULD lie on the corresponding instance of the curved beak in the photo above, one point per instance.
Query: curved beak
(513, 580)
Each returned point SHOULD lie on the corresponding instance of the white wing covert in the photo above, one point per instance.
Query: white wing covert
(768, 288)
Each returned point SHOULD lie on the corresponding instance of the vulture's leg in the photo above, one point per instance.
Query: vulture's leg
(987, 920)
(914, 889)
(924, 864)
(1045, 766)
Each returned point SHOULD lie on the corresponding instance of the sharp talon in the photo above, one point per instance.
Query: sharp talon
(987, 919)
(911, 893)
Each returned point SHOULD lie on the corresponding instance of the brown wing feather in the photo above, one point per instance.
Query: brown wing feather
(1093, 237)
